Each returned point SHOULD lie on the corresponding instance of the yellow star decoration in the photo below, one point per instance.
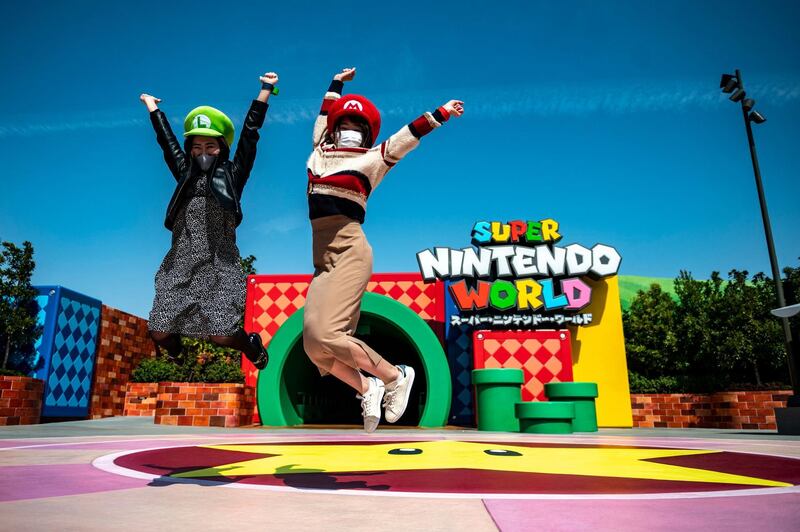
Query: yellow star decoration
(586, 461)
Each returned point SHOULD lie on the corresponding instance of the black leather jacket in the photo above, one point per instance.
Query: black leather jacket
(226, 179)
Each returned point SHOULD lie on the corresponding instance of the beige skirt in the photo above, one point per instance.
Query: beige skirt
(342, 269)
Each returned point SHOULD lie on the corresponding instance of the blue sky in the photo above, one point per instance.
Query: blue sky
(606, 117)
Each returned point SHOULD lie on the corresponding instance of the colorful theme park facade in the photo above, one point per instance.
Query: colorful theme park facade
(517, 298)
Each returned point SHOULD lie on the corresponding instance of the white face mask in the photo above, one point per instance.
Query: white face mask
(350, 138)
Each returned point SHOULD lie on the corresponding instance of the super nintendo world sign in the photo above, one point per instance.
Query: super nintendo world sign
(515, 275)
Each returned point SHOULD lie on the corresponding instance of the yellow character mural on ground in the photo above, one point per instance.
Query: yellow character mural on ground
(520, 468)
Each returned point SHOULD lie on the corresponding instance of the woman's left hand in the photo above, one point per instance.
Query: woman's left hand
(269, 77)
(454, 107)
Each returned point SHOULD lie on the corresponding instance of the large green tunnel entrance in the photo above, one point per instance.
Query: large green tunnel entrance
(291, 391)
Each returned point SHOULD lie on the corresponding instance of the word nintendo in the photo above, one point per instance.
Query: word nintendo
(518, 266)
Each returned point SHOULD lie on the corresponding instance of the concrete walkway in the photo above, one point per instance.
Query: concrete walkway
(129, 474)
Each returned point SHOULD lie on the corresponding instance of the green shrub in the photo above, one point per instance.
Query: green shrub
(663, 384)
(217, 369)
(221, 371)
(11, 373)
(157, 370)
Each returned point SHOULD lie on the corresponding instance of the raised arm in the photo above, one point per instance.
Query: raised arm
(245, 154)
(398, 145)
(173, 153)
(334, 93)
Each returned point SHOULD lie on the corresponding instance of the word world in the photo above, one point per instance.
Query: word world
(521, 320)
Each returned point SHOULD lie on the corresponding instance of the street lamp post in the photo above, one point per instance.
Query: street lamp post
(733, 84)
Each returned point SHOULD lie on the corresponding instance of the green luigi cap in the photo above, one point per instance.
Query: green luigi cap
(206, 121)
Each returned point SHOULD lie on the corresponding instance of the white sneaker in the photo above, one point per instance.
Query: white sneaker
(371, 404)
(397, 393)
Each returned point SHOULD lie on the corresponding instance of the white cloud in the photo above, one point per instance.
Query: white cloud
(287, 223)
(486, 102)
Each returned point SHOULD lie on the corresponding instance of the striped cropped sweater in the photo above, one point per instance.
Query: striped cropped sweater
(341, 179)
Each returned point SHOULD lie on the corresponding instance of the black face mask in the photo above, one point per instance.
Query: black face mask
(205, 161)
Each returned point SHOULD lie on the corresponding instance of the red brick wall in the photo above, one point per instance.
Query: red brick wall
(205, 405)
(141, 398)
(123, 343)
(20, 400)
(721, 410)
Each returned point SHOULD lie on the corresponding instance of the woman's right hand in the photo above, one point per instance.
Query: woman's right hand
(346, 74)
(269, 77)
(150, 101)
(454, 108)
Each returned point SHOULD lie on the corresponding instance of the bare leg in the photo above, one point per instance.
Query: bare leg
(169, 341)
(383, 370)
(237, 341)
(350, 376)
(370, 391)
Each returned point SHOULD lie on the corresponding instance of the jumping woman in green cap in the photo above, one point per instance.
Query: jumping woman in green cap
(200, 286)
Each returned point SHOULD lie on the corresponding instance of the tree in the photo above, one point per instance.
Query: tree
(650, 334)
(749, 339)
(248, 264)
(791, 289)
(696, 320)
(719, 333)
(18, 308)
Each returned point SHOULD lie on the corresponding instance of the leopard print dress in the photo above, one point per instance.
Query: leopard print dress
(200, 286)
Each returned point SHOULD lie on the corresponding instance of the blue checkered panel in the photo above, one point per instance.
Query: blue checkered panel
(69, 383)
(459, 356)
(41, 346)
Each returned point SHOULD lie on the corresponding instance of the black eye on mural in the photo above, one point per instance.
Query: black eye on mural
(501, 452)
(406, 450)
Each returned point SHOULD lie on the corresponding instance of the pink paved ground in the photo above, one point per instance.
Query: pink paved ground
(56, 480)
(774, 513)
(50, 483)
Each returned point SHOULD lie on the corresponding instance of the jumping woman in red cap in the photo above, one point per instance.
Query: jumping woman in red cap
(344, 168)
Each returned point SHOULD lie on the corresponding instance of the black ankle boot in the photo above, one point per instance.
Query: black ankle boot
(260, 362)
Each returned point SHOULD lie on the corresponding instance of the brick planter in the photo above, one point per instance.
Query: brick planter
(20, 400)
(140, 399)
(720, 410)
(204, 405)
(123, 343)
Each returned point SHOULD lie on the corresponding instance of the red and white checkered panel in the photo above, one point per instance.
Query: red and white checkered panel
(271, 299)
(543, 355)
(416, 295)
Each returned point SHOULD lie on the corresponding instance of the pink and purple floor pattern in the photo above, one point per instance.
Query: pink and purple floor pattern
(401, 479)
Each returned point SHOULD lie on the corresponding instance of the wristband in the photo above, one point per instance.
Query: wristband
(269, 87)
(336, 86)
(441, 115)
